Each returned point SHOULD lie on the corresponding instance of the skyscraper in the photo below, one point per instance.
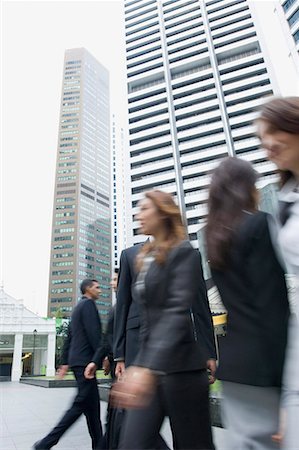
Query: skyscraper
(288, 13)
(81, 233)
(196, 72)
(118, 189)
(114, 228)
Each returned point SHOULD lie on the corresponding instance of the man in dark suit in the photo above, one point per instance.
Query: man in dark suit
(126, 320)
(83, 352)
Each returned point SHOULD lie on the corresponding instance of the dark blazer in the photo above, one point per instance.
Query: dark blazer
(254, 293)
(84, 342)
(176, 324)
(126, 319)
(108, 337)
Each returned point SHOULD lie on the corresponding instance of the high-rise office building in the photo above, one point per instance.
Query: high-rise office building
(114, 228)
(196, 72)
(288, 13)
(81, 232)
(118, 193)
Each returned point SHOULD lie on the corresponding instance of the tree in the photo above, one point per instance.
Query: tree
(62, 329)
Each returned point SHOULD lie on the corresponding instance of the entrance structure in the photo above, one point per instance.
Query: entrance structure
(27, 341)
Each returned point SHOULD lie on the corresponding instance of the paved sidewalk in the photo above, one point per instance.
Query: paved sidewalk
(27, 413)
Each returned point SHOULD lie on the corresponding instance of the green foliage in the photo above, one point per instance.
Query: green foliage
(62, 329)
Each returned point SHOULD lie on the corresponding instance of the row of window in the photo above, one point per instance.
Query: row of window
(62, 272)
(286, 6)
(294, 18)
(64, 281)
(64, 230)
(62, 263)
(63, 246)
(63, 255)
(60, 300)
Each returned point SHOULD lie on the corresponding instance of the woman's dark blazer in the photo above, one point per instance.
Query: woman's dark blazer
(176, 324)
(254, 292)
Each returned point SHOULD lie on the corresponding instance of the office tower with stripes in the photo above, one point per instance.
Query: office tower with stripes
(81, 231)
(118, 192)
(288, 13)
(196, 72)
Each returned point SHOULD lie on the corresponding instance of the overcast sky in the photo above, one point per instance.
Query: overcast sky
(34, 36)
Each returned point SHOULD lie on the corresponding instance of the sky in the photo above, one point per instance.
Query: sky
(34, 36)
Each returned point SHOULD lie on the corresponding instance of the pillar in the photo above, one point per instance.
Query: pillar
(16, 370)
(50, 372)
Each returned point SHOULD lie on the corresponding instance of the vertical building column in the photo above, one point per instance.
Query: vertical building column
(16, 370)
(217, 79)
(50, 372)
(172, 120)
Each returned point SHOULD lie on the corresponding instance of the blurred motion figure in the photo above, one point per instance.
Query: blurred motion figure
(278, 129)
(169, 376)
(252, 287)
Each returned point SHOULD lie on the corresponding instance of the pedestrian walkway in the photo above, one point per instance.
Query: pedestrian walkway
(27, 413)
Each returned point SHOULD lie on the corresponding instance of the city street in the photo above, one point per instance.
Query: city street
(27, 413)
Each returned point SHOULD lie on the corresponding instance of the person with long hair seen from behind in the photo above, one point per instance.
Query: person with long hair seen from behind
(278, 129)
(252, 287)
(169, 375)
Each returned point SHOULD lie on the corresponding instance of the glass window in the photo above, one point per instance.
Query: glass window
(294, 17)
(288, 4)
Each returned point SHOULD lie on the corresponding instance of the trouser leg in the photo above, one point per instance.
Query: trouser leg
(251, 415)
(187, 405)
(141, 426)
(83, 402)
(93, 415)
(291, 405)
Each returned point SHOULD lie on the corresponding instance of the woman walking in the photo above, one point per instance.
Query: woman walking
(169, 377)
(252, 287)
(278, 129)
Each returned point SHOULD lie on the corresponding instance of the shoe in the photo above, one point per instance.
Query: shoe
(38, 446)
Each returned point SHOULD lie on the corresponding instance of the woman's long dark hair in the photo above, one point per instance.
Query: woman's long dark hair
(232, 191)
(282, 114)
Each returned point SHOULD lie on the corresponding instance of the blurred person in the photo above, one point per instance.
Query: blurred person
(83, 351)
(114, 280)
(127, 321)
(169, 376)
(278, 129)
(127, 324)
(108, 363)
(252, 287)
(111, 436)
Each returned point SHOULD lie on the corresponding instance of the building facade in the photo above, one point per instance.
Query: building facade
(196, 72)
(119, 213)
(27, 341)
(114, 217)
(288, 13)
(81, 231)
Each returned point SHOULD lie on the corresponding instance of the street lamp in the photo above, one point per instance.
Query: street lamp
(33, 351)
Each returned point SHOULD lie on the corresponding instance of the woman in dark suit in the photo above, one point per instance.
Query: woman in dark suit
(278, 129)
(252, 287)
(169, 376)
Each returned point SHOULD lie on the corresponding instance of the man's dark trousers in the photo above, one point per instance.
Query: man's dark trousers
(86, 402)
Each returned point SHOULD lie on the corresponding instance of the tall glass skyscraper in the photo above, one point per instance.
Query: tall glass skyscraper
(196, 72)
(81, 232)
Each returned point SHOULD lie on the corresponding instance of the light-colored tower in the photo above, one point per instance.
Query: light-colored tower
(81, 234)
(196, 72)
(114, 217)
(288, 13)
(118, 191)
